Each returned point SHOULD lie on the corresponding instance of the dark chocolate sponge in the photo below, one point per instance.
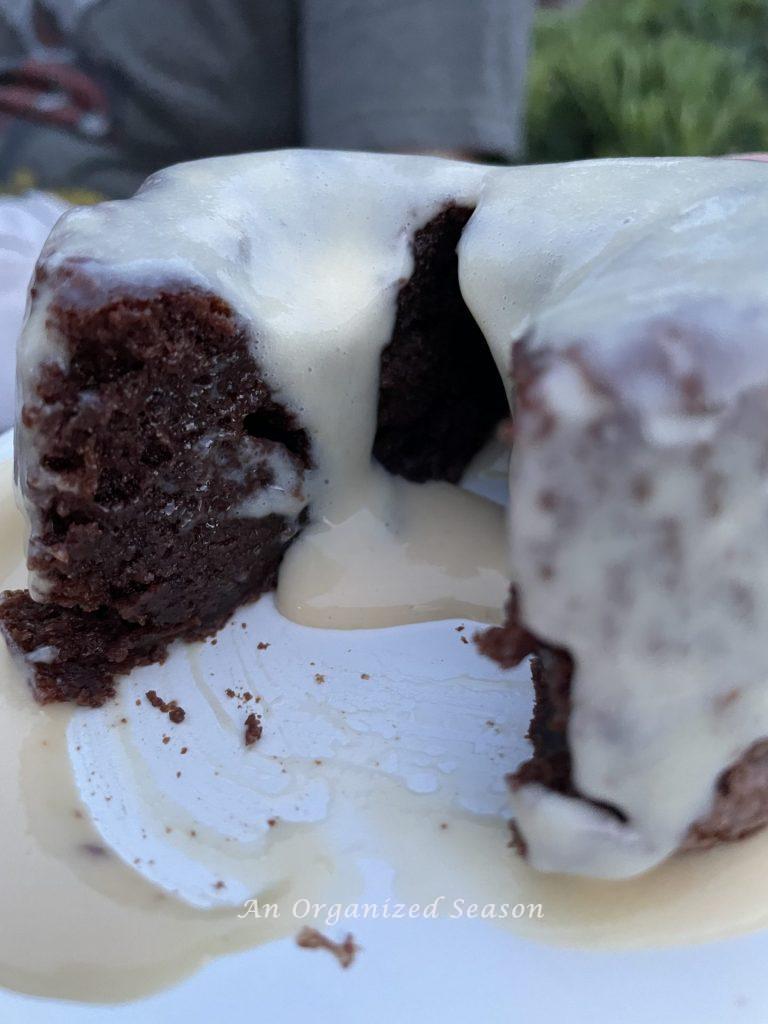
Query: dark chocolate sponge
(149, 437)
(162, 424)
(440, 392)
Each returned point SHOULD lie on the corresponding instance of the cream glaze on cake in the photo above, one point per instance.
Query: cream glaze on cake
(638, 502)
(310, 250)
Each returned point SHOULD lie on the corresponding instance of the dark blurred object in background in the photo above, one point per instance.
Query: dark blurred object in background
(96, 94)
(649, 78)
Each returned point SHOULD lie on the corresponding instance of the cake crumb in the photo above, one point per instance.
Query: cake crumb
(229, 692)
(463, 639)
(253, 729)
(271, 822)
(175, 712)
(261, 646)
(364, 675)
(345, 952)
(319, 678)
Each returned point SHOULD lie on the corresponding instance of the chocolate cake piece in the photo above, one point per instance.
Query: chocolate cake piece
(151, 445)
(551, 672)
(440, 392)
(69, 655)
(161, 432)
(740, 801)
(631, 468)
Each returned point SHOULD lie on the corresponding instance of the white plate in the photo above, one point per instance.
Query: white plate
(426, 739)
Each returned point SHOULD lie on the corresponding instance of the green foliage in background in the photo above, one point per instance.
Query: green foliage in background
(648, 78)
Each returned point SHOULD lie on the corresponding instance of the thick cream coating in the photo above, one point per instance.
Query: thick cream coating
(639, 499)
(598, 265)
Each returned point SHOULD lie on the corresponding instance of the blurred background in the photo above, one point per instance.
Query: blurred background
(97, 94)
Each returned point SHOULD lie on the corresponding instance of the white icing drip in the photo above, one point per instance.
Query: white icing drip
(386, 561)
(310, 249)
(284, 496)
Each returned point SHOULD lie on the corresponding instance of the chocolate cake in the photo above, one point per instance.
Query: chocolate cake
(136, 541)
(132, 495)
(208, 367)
(740, 804)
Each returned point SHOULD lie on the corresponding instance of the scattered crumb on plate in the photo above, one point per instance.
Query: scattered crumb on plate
(345, 951)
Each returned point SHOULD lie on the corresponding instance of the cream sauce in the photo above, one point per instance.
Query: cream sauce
(401, 553)
(79, 923)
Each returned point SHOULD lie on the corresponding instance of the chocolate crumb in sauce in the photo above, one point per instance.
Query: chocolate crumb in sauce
(261, 646)
(253, 729)
(345, 952)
